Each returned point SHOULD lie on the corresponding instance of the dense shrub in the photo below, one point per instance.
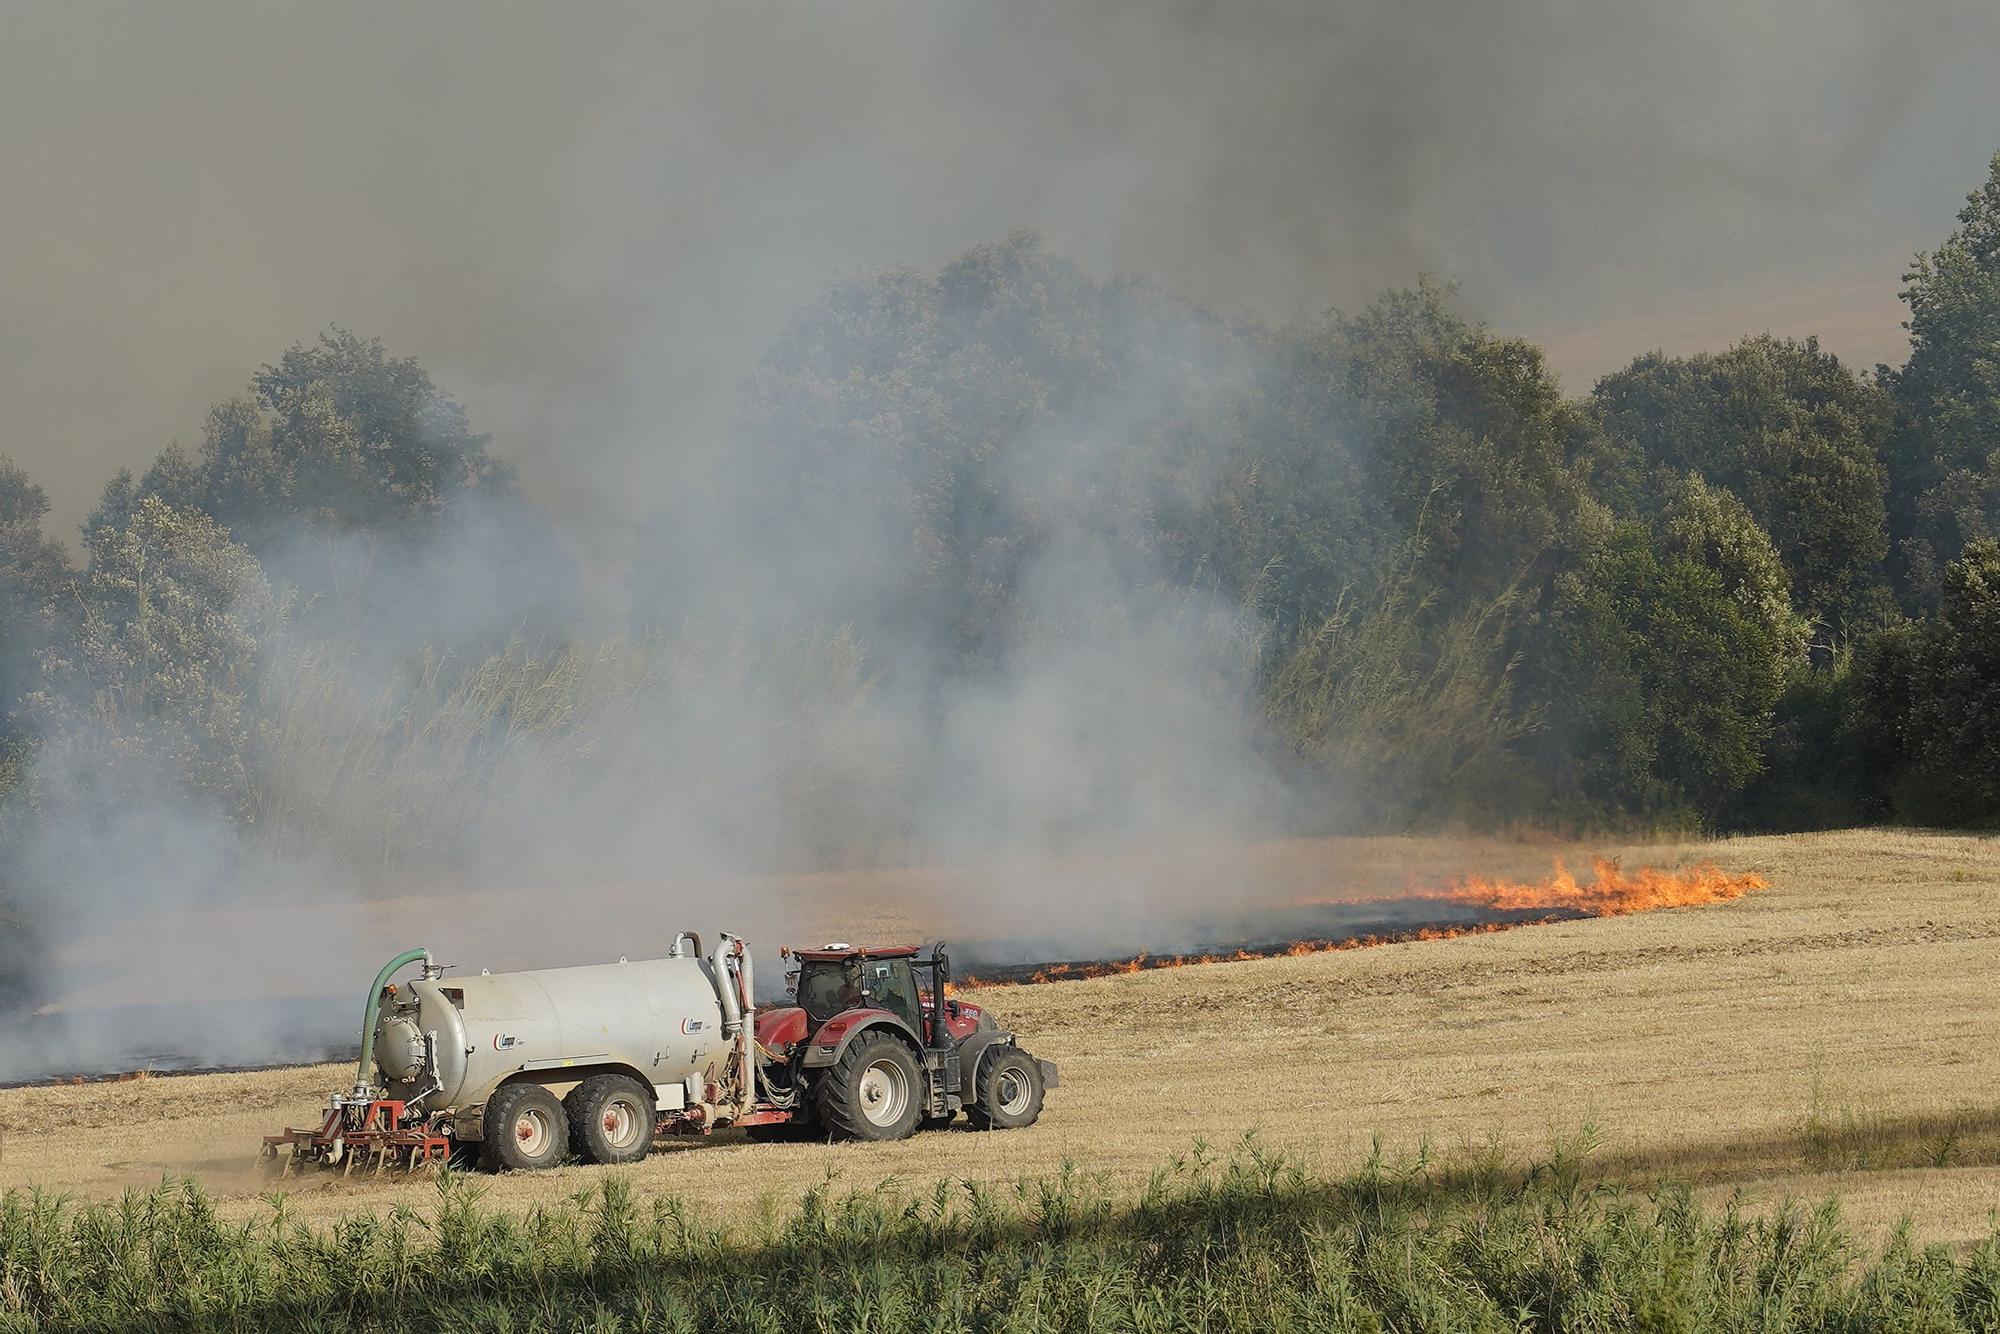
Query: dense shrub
(1255, 1243)
(1927, 712)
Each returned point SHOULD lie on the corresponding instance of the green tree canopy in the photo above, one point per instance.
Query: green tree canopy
(360, 485)
(1461, 436)
(32, 568)
(1665, 654)
(337, 438)
(1945, 463)
(918, 444)
(156, 668)
(1794, 435)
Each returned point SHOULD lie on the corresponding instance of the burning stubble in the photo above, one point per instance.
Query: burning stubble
(1475, 905)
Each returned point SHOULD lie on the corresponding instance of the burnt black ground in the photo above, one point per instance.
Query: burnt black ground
(1265, 933)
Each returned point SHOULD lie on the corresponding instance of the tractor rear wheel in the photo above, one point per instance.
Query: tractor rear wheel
(1010, 1093)
(524, 1128)
(611, 1118)
(874, 1092)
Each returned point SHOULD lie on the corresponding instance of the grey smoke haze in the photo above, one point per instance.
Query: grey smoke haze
(587, 219)
(588, 224)
(1108, 709)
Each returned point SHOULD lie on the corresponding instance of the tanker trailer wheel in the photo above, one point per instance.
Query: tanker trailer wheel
(611, 1118)
(524, 1128)
(1010, 1096)
(875, 1092)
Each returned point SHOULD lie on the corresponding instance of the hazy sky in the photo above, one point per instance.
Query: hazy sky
(586, 220)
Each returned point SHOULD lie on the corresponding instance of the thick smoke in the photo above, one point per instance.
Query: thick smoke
(590, 223)
(589, 220)
(814, 675)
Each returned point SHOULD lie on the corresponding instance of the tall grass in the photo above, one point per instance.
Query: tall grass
(1249, 1242)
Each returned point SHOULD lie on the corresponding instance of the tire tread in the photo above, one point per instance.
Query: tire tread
(837, 1094)
(494, 1149)
(982, 1112)
(579, 1107)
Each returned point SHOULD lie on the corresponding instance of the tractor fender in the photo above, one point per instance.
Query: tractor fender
(837, 1034)
(972, 1054)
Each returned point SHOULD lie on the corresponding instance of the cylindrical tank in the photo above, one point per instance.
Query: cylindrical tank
(659, 1017)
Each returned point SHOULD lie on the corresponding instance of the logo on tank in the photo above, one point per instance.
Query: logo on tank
(504, 1041)
(693, 1025)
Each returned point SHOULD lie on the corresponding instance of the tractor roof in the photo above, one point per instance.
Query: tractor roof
(856, 952)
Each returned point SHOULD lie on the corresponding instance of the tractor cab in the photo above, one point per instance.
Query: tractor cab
(894, 978)
(838, 978)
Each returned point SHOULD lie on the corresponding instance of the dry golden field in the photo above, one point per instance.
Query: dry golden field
(1831, 1035)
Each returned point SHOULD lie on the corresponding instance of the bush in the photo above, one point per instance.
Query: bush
(542, 759)
(1815, 774)
(1663, 659)
(1927, 709)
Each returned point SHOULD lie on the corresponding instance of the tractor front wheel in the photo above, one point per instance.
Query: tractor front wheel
(1010, 1093)
(874, 1092)
(524, 1128)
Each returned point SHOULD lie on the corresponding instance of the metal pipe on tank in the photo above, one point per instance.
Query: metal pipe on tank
(725, 990)
(749, 1044)
(737, 1013)
(364, 1082)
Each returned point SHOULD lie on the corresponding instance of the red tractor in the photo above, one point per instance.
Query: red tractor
(603, 1059)
(875, 1048)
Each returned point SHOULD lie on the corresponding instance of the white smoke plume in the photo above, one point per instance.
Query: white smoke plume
(590, 222)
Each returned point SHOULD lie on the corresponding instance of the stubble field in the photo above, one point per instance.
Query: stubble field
(1831, 1035)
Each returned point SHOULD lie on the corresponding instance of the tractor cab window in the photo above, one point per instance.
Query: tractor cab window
(892, 985)
(828, 987)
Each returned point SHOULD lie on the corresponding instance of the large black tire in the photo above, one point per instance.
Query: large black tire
(524, 1129)
(611, 1118)
(1010, 1091)
(875, 1092)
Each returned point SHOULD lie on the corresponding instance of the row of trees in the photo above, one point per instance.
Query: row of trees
(1745, 588)
(1476, 597)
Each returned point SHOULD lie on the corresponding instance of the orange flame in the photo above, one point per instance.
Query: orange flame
(1613, 893)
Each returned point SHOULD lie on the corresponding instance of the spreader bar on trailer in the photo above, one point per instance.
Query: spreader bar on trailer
(354, 1132)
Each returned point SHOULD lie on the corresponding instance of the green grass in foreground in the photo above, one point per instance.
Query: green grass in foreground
(1251, 1242)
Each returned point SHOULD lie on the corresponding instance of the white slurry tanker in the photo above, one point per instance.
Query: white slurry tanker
(599, 1061)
